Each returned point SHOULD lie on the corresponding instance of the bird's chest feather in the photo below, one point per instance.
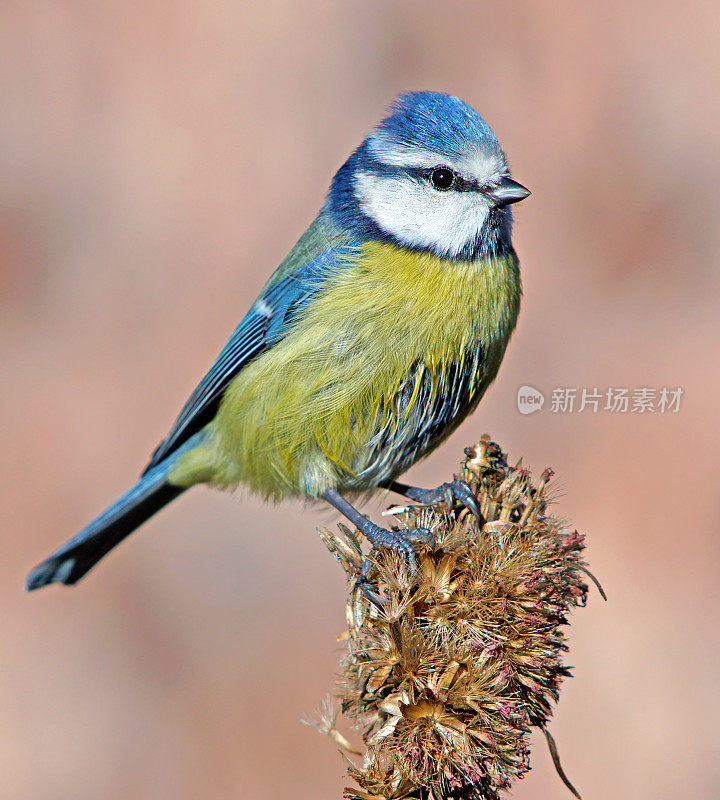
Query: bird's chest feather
(385, 358)
(436, 330)
(401, 346)
(395, 307)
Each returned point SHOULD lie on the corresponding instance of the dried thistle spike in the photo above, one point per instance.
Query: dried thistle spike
(447, 670)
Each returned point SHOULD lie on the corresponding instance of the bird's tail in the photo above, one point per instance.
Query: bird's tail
(80, 554)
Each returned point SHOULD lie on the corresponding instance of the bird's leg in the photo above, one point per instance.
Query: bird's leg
(400, 541)
(447, 492)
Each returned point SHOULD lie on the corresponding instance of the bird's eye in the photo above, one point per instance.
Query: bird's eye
(442, 178)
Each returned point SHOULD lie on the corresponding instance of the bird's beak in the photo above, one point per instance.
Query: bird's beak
(507, 191)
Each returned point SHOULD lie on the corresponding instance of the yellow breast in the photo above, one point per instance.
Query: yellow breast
(298, 419)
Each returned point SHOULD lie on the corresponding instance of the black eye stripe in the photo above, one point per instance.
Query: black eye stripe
(464, 185)
(423, 173)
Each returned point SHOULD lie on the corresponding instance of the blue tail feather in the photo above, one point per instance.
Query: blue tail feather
(80, 554)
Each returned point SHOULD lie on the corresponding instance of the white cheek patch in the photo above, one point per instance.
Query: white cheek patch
(418, 215)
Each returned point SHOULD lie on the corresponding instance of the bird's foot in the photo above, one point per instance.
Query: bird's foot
(399, 541)
(447, 493)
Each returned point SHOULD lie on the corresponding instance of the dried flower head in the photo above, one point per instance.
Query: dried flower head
(447, 669)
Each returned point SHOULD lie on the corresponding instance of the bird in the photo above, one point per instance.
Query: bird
(372, 341)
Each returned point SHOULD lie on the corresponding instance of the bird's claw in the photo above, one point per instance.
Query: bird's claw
(367, 587)
(449, 493)
(400, 541)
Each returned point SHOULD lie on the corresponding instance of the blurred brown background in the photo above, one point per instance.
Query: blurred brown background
(156, 161)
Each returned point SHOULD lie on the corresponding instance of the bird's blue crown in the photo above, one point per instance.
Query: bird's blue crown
(434, 121)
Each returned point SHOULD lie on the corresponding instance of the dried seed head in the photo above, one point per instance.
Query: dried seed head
(449, 670)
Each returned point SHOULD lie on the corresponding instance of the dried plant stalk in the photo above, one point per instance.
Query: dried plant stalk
(446, 670)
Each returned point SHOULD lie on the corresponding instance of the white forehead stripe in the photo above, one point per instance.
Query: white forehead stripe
(394, 154)
(484, 163)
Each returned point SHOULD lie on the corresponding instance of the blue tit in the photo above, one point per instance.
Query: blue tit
(372, 341)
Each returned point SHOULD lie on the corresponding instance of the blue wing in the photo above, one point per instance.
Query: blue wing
(319, 252)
